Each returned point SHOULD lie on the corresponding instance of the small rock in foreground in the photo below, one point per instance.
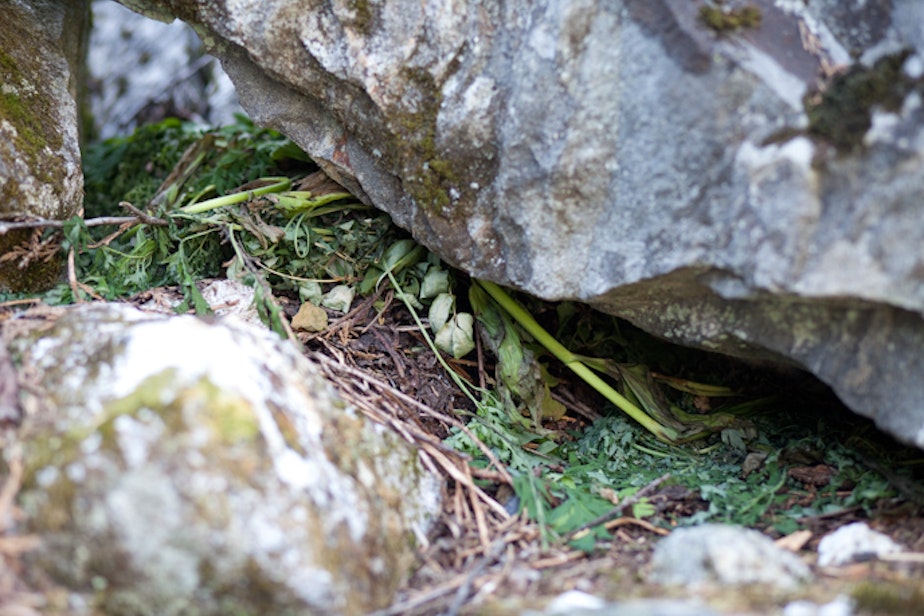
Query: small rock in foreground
(180, 466)
(854, 542)
(576, 603)
(726, 556)
(841, 606)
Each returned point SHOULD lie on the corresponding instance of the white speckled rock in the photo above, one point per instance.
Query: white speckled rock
(852, 542)
(181, 466)
(724, 555)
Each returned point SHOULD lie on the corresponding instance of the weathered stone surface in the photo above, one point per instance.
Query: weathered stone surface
(575, 603)
(141, 71)
(715, 554)
(855, 541)
(41, 54)
(179, 466)
(629, 155)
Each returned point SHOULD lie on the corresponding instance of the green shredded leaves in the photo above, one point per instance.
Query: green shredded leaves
(256, 208)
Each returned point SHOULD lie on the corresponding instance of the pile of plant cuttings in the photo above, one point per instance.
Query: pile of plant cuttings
(570, 440)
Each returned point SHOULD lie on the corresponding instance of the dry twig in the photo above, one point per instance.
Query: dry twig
(617, 510)
(139, 217)
(341, 367)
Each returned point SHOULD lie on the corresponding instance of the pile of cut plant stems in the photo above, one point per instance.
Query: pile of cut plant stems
(176, 204)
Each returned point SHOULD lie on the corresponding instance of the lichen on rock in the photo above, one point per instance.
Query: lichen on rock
(40, 174)
(178, 466)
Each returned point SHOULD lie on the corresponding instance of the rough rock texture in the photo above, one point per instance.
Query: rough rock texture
(141, 71)
(41, 54)
(692, 178)
(853, 542)
(180, 466)
(724, 555)
(575, 603)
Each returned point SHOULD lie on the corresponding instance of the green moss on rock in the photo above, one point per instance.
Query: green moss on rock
(22, 105)
(427, 177)
(35, 166)
(842, 113)
(726, 19)
(364, 15)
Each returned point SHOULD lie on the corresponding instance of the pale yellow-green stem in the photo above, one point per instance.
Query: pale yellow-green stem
(279, 184)
(527, 322)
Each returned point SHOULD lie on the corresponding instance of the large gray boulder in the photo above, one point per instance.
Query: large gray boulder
(745, 179)
(175, 465)
(41, 55)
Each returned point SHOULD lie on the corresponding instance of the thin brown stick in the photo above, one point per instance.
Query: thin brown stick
(461, 511)
(392, 353)
(20, 302)
(463, 581)
(389, 298)
(618, 509)
(384, 387)
(10, 488)
(577, 407)
(101, 221)
(351, 317)
(427, 461)
(636, 522)
(558, 560)
(830, 515)
(492, 553)
(411, 432)
(111, 237)
(144, 217)
(72, 276)
(461, 478)
(423, 599)
(76, 285)
(480, 522)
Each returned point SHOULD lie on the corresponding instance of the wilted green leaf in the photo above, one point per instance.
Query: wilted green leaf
(398, 251)
(434, 283)
(578, 509)
(310, 291)
(550, 408)
(339, 298)
(456, 337)
(441, 310)
(643, 509)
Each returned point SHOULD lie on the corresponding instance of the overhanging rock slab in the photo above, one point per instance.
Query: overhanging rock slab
(750, 186)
